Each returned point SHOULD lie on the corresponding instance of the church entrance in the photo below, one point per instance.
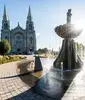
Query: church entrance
(18, 51)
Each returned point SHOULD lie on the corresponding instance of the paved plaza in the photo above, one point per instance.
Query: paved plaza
(15, 85)
(19, 88)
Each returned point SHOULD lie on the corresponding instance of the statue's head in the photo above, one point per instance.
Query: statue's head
(69, 10)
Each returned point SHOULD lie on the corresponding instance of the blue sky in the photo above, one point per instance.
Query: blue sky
(47, 14)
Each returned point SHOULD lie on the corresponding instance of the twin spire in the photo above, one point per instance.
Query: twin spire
(5, 16)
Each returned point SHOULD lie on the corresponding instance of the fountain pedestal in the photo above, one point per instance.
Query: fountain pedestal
(67, 53)
(68, 56)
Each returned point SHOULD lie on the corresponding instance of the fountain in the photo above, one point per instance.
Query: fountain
(56, 81)
(67, 53)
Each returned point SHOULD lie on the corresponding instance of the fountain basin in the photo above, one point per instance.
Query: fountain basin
(67, 74)
(68, 31)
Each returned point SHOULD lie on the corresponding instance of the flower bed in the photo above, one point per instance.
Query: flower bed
(10, 58)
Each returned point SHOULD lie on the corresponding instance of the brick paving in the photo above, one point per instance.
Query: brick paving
(11, 69)
(18, 87)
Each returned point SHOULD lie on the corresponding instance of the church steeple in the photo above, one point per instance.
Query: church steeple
(29, 22)
(30, 33)
(5, 21)
(5, 17)
(5, 31)
(29, 17)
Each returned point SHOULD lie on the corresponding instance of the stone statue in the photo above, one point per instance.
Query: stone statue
(69, 16)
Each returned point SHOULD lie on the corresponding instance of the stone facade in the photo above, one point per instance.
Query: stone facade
(23, 41)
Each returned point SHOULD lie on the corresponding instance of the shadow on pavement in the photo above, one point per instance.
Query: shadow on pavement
(49, 86)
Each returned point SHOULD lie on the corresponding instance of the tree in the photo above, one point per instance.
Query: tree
(80, 48)
(44, 50)
(4, 47)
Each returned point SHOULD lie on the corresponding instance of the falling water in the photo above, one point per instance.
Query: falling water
(61, 70)
(47, 63)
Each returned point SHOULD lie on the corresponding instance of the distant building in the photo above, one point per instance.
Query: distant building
(22, 40)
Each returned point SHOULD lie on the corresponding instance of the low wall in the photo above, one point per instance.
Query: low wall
(15, 68)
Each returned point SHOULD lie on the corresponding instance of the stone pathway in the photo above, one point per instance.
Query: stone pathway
(18, 87)
(12, 69)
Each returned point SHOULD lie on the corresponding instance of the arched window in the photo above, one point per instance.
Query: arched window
(30, 26)
(18, 37)
(6, 26)
(31, 40)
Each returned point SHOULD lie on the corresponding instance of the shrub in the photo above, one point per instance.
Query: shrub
(4, 47)
(6, 59)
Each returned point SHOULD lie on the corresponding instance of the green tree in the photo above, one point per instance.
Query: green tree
(44, 50)
(4, 47)
(80, 48)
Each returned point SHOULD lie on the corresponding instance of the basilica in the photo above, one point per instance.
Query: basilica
(22, 41)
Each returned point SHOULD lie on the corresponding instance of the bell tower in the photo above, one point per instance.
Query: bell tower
(30, 34)
(29, 22)
(5, 31)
